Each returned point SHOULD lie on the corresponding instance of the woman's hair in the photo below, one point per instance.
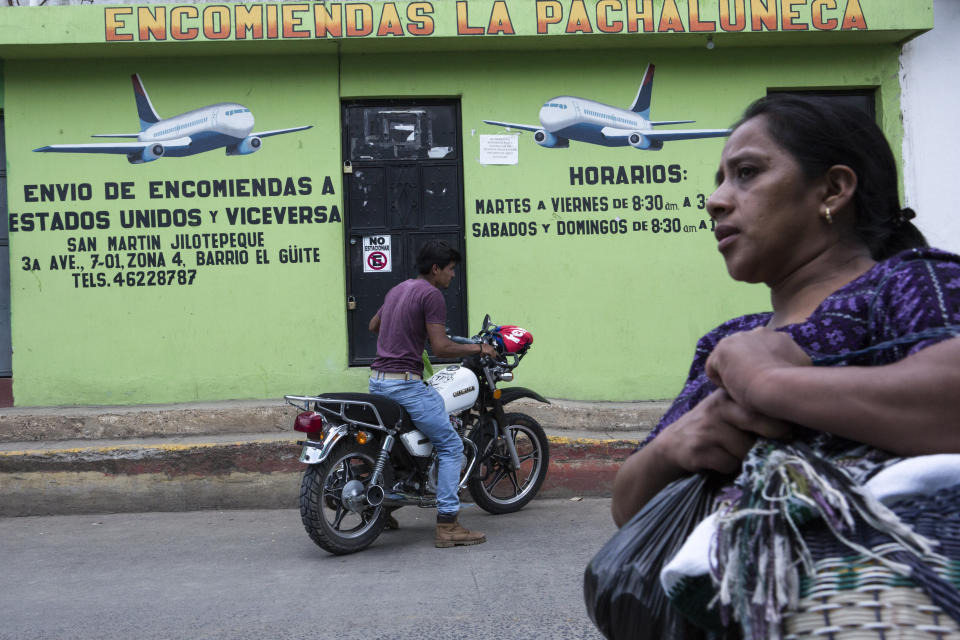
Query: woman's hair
(820, 133)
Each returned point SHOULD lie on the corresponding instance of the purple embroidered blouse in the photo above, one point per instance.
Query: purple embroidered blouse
(912, 298)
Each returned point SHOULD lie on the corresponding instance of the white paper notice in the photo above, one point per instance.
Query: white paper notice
(377, 257)
(502, 149)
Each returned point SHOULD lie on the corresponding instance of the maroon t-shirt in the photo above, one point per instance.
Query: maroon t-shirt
(406, 311)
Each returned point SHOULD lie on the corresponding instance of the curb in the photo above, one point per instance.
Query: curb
(243, 454)
(258, 473)
(36, 424)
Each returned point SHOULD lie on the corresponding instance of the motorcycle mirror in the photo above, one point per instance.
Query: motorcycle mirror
(486, 323)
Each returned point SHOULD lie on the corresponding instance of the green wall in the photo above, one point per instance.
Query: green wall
(615, 316)
(236, 331)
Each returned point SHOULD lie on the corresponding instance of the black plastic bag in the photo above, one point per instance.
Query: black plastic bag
(621, 585)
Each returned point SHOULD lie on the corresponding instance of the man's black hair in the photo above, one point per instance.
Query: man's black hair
(435, 252)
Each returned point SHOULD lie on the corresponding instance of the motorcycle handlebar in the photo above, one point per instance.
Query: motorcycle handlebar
(501, 358)
(498, 360)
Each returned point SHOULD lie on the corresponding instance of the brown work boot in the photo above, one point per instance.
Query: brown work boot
(451, 534)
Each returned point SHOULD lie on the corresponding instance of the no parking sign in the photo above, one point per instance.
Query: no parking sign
(376, 254)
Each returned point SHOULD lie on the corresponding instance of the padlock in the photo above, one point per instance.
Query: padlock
(351, 303)
(347, 166)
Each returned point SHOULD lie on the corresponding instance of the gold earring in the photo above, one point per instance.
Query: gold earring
(827, 216)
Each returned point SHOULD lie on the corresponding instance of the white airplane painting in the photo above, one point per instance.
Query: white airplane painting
(567, 118)
(225, 124)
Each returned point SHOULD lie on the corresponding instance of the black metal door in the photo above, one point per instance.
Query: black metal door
(403, 178)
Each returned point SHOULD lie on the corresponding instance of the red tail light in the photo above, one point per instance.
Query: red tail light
(309, 422)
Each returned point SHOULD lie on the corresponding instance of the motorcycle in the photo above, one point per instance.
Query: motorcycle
(356, 472)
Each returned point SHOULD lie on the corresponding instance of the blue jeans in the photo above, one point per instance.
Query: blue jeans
(425, 406)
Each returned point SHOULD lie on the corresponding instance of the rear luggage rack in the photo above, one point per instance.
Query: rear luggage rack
(304, 402)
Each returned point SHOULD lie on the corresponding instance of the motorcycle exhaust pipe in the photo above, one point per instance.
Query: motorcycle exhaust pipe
(473, 462)
(374, 495)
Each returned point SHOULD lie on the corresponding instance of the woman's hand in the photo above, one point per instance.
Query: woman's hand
(908, 407)
(742, 362)
(713, 436)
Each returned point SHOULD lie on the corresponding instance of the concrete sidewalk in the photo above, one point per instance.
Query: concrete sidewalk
(243, 454)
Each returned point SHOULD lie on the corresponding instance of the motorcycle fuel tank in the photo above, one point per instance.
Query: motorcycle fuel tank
(457, 386)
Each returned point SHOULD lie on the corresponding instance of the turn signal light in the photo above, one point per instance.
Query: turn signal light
(362, 437)
(497, 393)
(309, 422)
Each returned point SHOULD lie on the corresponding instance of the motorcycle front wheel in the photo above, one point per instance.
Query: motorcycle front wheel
(339, 522)
(496, 487)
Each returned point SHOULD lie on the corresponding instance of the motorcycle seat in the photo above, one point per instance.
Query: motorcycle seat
(390, 411)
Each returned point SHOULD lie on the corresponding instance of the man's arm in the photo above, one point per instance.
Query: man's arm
(910, 407)
(444, 347)
(374, 325)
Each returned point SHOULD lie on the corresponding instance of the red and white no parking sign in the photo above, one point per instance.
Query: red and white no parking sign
(376, 254)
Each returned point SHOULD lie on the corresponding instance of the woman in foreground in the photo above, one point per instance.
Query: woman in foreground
(807, 204)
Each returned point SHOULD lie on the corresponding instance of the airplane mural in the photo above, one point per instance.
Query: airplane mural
(225, 124)
(567, 118)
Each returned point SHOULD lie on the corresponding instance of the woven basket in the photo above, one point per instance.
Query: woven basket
(853, 597)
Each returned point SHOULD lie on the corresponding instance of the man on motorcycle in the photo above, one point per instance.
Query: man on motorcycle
(412, 312)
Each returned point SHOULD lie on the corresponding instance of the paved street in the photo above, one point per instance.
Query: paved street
(256, 574)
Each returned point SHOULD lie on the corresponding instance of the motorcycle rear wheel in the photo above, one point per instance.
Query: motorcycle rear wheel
(328, 521)
(495, 487)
